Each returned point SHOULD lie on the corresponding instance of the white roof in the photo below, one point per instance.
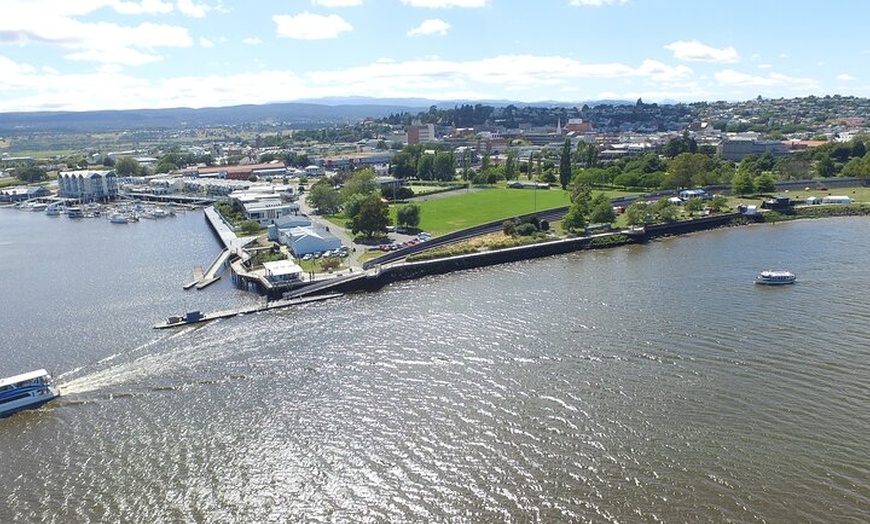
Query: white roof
(22, 377)
(282, 267)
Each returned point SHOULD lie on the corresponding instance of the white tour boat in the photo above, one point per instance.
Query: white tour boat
(26, 391)
(775, 278)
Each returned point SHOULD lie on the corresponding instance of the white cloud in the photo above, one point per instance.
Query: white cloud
(430, 27)
(307, 26)
(597, 2)
(252, 40)
(694, 51)
(729, 77)
(205, 43)
(189, 8)
(845, 77)
(149, 7)
(441, 4)
(765, 66)
(56, 23)
(337, 3)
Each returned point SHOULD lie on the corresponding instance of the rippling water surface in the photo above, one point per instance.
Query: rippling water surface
(645, 384)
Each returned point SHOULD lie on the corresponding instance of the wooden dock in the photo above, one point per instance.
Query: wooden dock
(198, 318)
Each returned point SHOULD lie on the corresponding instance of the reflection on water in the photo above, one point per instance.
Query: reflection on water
(645, 384)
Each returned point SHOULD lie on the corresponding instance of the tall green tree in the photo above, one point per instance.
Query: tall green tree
(510, 166)
(408, 215)
(361, 182)
(373, 217)
(127, 166)
(426, 167)
(565, 164)
(324, 198)
(444, 166)
(765, 183)
(742, 183)
(601, 210)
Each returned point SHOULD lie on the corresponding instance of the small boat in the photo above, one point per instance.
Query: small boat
(775, 278)
(119, 219)
(74, 212)
(26, 391)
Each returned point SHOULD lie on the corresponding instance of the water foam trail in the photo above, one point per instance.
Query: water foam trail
(142, 367)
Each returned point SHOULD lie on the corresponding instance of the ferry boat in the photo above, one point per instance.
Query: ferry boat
(775, 278)
(26, 391)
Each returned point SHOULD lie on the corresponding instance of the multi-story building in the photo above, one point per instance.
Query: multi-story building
(420, 133)
(87, 185)
(735, 149)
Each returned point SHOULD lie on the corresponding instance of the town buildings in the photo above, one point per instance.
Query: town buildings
(87, 185)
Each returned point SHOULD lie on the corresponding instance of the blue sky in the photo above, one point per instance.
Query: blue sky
(124, 54)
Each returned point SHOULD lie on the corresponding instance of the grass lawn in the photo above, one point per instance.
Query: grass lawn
(466, 209)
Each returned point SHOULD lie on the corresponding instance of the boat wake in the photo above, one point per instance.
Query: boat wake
(122, 373)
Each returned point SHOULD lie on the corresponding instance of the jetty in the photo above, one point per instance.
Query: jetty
(198, 317)
(233, 248)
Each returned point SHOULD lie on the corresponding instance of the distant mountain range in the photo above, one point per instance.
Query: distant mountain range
(306, 113)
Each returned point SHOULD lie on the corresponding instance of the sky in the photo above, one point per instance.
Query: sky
(78, 55)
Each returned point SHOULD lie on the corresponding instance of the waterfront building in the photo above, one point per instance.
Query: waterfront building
(309, 239)
(88, 185)
(282, 271)
(23, 193)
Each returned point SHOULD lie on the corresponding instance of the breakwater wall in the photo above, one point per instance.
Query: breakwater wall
(380, 276)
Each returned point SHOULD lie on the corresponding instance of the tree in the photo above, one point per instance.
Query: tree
(765, 183)
(408, 215)
(444, 166)
(404, 165)
(638, 214)
(601, 211)
(31, 174)
(574, 220)
(127, 166)
(353, 204)
(742, 184)
(250, 227)
(324, 198)
(826, 167)
(362, 182)
(666, 210)
(565, 164)
(685, 167)
(510, 166)
(693, 205)
(373, 217)
(426, 167)
(857, 167)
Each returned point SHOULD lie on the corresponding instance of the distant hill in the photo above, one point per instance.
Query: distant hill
(292, 113)
(308, 113)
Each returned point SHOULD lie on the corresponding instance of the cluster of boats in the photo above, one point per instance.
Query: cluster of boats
(117, 213)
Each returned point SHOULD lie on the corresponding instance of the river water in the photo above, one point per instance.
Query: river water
(649, 383)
